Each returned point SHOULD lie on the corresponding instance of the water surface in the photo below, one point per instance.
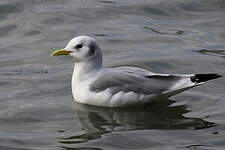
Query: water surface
(37, 110)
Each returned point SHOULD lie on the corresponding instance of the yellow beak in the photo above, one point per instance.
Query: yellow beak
(60, 52)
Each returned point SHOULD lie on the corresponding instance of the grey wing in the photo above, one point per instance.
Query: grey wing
(138, 71)
(134, 70)
(126, 82)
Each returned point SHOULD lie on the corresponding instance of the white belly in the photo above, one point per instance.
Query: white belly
(82, 94)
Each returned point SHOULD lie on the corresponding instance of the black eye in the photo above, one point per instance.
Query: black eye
(78, 46)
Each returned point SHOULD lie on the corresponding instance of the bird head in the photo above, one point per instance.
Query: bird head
(81, 48)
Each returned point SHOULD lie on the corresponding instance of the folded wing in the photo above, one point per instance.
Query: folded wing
(143, 83)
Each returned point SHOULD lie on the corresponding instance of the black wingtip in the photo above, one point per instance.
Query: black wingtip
(197, 78)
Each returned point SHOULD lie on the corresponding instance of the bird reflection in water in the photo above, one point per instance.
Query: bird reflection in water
(96, 121)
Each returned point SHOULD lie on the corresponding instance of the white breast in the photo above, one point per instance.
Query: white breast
(82, 93)
(105, 98)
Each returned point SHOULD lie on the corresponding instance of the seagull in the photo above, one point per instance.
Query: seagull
(94, 84)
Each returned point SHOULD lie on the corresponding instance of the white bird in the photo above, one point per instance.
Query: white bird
(94, 84)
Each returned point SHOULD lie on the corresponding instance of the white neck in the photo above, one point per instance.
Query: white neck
(84, 69)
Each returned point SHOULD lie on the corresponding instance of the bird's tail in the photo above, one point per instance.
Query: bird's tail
(198, 78)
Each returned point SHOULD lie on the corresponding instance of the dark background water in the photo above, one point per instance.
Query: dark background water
(167, 36)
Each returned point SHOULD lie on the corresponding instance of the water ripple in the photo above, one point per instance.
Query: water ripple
(176, 36)
(218, 53)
